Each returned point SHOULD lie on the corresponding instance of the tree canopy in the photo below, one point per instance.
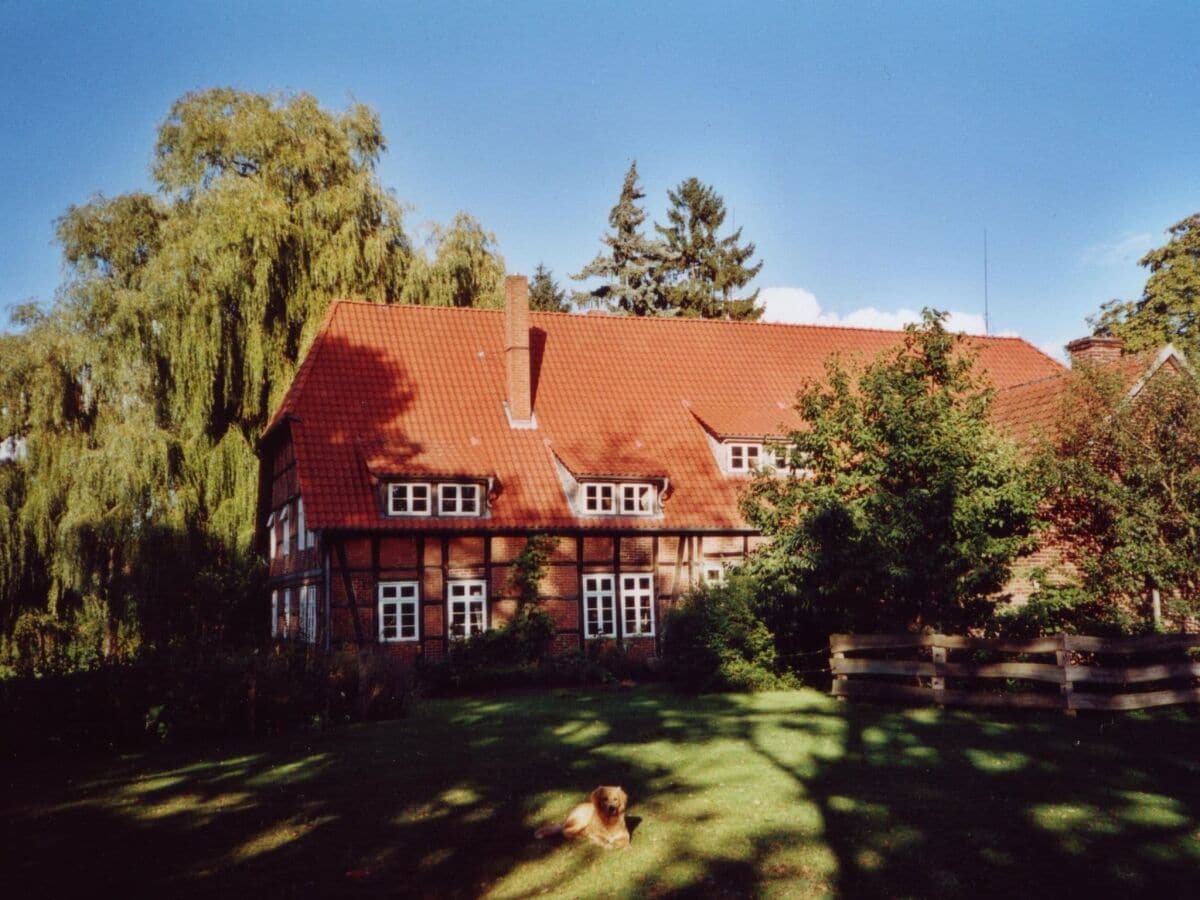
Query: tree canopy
(633, 267)
(1169, 309)
(903, 509)
(139, 395)
(1123, 480)
(544, 293)
(703, 271)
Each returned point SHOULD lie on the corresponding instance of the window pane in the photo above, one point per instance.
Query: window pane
(468, 501)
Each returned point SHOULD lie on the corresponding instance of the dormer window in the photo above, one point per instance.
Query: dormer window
(423, 498)
(599, 498)
(618, 498)
(637, 499)
(744, 457)
(458, 499)
(410, 499)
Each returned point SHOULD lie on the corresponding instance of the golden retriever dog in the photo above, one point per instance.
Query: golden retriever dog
(601, 819)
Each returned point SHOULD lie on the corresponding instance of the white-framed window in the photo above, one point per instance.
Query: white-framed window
(599, 606)
(599, 497)
(637, 499)
(304, 538)
(744, 457)
(410, 498)
(458, 500)
(287, 612)
(287, 535)
(274, 614)
(778, 455)
(714, 572)
(308, 613)
(468, 608)
(399, 611)
(272, 541)
(637, 605)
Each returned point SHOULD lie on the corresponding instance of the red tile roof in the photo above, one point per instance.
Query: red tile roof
(1030, 413)
(406, 390)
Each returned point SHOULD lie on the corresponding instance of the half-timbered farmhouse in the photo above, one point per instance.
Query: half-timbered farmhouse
(419, 447)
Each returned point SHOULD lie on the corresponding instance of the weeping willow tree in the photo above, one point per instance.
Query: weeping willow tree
(137, 398)
(462, 267)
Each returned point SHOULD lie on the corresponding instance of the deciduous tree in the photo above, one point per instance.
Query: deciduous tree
(905, 509)
(1169, 309)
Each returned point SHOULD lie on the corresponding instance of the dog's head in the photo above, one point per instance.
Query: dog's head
(609, 801)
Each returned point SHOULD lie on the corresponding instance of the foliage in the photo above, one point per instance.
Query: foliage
(529, 568)
(140, 394)
(1124, 490)
(466, 268)
(904, 509)
(704, 271)
(633, 268)
(186, 695)
(714, 641)
(1065, 608)
(544, 293)
(1169, 309)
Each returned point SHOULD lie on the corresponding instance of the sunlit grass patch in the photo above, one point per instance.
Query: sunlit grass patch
(776, 795)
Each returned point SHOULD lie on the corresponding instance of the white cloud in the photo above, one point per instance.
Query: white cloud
(1128, 248)
(797, 306)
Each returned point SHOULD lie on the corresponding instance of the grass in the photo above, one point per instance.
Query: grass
(786, 794)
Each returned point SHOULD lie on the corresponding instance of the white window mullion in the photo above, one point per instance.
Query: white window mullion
(599, 606)
(398, 611)
(637, 605)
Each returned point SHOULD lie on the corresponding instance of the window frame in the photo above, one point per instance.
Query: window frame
(600, 488)
(598, 595)
(482, 598)
(308, 613)
(275, 613)
(401, 601)
(272, 538)
(284, 519)
(714, 566)
(637, 510)
(639, 594)
(456, 511)
(407, 487)
(287, 612)
(745, 464)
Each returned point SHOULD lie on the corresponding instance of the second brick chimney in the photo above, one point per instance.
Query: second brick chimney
(516, 352)
(1094, 350)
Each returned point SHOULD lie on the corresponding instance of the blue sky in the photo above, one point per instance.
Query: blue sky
(863, 147)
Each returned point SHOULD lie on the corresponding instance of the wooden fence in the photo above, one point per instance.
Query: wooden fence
(1068, 672)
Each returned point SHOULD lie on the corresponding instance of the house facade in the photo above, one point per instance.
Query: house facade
(418, 449)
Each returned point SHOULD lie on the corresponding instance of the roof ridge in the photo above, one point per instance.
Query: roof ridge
(690, 320)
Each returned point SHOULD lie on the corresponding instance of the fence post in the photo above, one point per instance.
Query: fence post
(834, 656)
(1062, 657)
(938, 683)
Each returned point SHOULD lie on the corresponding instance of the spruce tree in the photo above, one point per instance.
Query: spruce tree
(634, 266)
(544, 293)
(705, 270)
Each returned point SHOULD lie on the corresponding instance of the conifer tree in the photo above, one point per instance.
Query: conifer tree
(544, 293)
(705, 270)
(634, 265)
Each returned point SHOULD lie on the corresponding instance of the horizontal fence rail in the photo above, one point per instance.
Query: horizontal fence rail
(917, 668)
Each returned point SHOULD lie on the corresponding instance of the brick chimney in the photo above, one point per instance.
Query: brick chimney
(1094, 350)
(516, 351)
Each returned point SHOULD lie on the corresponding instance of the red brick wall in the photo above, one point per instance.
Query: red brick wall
(371, 559)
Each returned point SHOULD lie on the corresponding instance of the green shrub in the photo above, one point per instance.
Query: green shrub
(715, 641)
(1066, 609)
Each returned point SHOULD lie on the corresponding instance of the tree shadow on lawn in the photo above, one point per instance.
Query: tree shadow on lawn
(777, 794)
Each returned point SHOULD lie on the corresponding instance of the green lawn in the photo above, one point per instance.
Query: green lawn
(786, 794)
